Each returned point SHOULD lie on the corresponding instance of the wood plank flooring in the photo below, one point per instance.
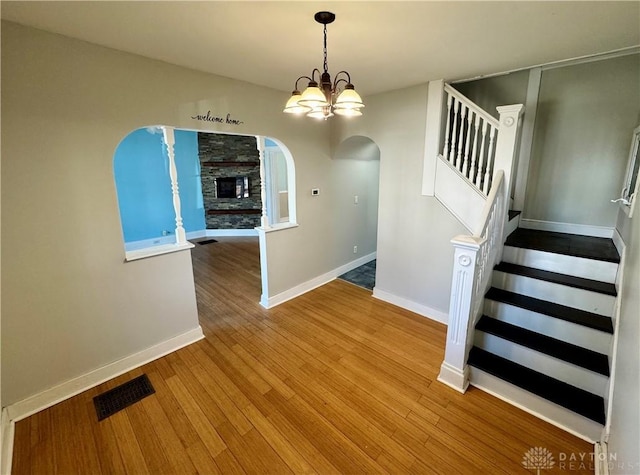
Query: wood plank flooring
(332, 382)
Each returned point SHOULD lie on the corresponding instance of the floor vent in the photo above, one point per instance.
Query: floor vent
(123, 396)
(208, 241)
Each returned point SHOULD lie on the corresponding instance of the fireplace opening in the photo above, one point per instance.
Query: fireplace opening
(232, 187)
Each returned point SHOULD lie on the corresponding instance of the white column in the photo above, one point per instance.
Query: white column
(432, 136)
(507, 141)
(264, 219)
(528, 123)
(169, 140)
(454, 371)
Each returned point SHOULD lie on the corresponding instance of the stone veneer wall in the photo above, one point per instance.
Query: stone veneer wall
(223, 156)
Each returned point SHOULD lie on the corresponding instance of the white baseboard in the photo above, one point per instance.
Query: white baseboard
(415, 307)
(49, 397)
(270, 302)
(454, 378)
(618, 241)
(6, 451)
(197, 234)
(601, 458)
(231, 232)
(569, 228)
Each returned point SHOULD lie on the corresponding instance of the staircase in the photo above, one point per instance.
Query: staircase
(544, 336)
(531, 312)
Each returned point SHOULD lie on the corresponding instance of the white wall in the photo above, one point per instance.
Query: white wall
(624, 439)
(585, 117)
(71, 304)
(414, 251)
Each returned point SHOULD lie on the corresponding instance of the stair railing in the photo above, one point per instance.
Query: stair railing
(470, 138)
(473, 262)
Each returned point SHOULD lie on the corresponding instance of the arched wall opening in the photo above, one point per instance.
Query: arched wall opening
(356, 163)
(174, 185)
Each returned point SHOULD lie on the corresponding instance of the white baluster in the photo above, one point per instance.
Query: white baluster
(489, 168)
(482, 155)
(454, 134)
(465, 163)
(264, 219)
(169, 140)
(463, 115)
(447, 138)
(474, 153)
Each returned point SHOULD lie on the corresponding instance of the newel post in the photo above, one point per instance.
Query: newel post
(454, 371)
(169, 140)
(507, 142)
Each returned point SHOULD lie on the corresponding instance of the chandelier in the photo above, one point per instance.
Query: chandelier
(328, 98)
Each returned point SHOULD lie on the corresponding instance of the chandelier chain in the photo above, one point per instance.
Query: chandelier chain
(326, 68)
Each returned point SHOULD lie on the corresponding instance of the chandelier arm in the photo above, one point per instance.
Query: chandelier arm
(337, 80)
(297, 80)
(313, 75)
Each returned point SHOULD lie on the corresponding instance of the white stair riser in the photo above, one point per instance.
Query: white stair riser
(573, 333)
(570, 265)
(569, 373)
(557, 415)
(587, 300)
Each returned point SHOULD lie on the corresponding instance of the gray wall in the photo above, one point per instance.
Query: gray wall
(586, 114)
(492, 92)
(414, 251)
(625, 419)
(70, 303)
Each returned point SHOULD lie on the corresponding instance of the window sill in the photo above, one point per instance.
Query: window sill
(156, 251)
(276, 227)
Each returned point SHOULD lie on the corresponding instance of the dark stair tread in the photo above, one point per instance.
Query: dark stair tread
(583, 357)
(513, 213)
(569, 314)
(557, 278)
(575, 399)
(589, 247)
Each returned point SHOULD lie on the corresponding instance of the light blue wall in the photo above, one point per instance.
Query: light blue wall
(141, 170)
(190, 184)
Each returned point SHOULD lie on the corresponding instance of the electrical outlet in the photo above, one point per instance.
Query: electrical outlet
(355, 199)
(355, 249)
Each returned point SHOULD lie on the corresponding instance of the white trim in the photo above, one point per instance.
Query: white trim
(420, 309)
(270, 302)
(197, 234)
(264, 274)
(156, 251)
(601, 458)
(618, 242)
(570, 228)
(453, 377)
(231, 232)
(8, 431)
(526, 138)
(147, 243)
(435, 98)
(613, 353)
(49, 397)
(277, 227)
(561, 63)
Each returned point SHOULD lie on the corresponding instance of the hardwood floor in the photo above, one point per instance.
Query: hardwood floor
(334, 381)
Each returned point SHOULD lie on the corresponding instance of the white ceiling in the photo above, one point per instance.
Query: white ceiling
(384, 45)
